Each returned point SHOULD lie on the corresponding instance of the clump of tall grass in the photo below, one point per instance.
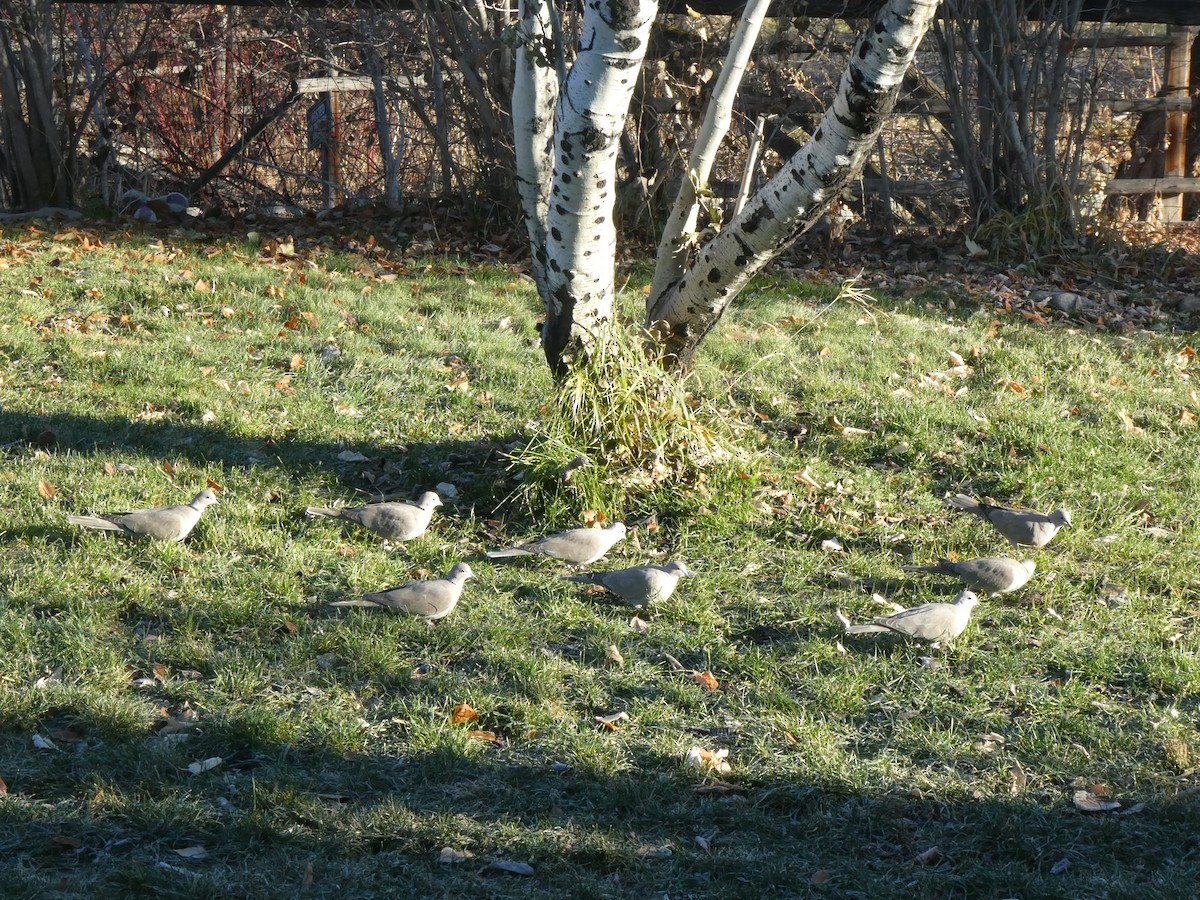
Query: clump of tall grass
(624, 432)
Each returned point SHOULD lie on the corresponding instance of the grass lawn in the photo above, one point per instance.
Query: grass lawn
(197, 721)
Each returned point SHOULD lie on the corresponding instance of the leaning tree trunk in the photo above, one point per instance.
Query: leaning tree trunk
(570, 224)
(787, 205)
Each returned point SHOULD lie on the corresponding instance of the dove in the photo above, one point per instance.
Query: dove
(1022, 527)
(990, 574)
(430, 600)
(161, 523)
(932, 622)
(579, 546)
(638, 585)
(391, 521)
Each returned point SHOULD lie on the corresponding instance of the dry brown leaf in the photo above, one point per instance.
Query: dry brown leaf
(168, 467)
(1018, 780)
(807, 479)
(708, 760)
(3, 788)
(928, 857)
(593, 517)
(706, 680)
(614, 655)
(821, 877)
(46, 489)
(463, 713)
(641, 626)
(202, 286)
(490, 736)
(213, 486)
(196, 852)
(610, 721)
(296, 361)
(1128, 423)
(450, 856)
(307, 880)
(1089, 802)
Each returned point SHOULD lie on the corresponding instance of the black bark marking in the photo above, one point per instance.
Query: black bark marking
(714, 275)
(556, 234)
(566, 178)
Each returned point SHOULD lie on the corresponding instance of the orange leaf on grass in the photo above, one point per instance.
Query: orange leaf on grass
(463, 713)
(46, 489)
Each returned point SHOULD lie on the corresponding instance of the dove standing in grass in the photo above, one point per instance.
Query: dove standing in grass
(391, 521)
(990, 574)
(579, 546)
(1021, 527)
(431, 600)
(161, 523)
(638, 585)
(936, 623)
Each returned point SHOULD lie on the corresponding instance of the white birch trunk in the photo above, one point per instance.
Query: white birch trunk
(674, 244)
(794, 199)
(535, 92)
(580, 238)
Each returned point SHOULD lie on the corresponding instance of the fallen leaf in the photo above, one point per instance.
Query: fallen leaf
(463, 713)
(168, 467)
(295, 362)
(1089, 802)
(650, 851)
(489, 736)
(821, 877)
(46, 489)
(1061, 866)
(450, 856)
(196, 852)
(352, 456)
(639, 625)
(43, 743)
(512, 868)
(307, 879)
(614, 655)
(706, 680)
(928, 857)
(1128, 423)
(204, 765)
(3, 787)
(708, 760)
(610, 721)
(1018, 780)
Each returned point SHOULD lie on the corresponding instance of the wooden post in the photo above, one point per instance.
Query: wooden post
(1175, 163)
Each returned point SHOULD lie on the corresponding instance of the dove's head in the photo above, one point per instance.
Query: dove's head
(617, 528)
(429, 500)
(675, 567)
(967, 599)
(460, 572)
(1029, 566)
(205, 498)
(1060, 517)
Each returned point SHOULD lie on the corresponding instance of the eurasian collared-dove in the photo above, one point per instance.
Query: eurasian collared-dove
(638, 585)
(933, 622)
(579, 546)
(393, 521)
(431, 600)
(162, 523)
(1022, 527)
(990, 574)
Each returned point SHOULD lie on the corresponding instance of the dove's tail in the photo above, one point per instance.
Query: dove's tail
(94, 522)
(510, 552)
(970, 504)
(856, 629)
(362, 603)
(938, 569)
(322, 511)
(582, 579)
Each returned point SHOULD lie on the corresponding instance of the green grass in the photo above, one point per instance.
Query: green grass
(342, 774)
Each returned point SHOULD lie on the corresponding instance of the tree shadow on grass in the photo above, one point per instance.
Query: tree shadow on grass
(374, 825)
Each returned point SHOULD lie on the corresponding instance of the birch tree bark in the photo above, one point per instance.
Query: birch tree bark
(578, 240)
(566, 169)
(787, 205)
